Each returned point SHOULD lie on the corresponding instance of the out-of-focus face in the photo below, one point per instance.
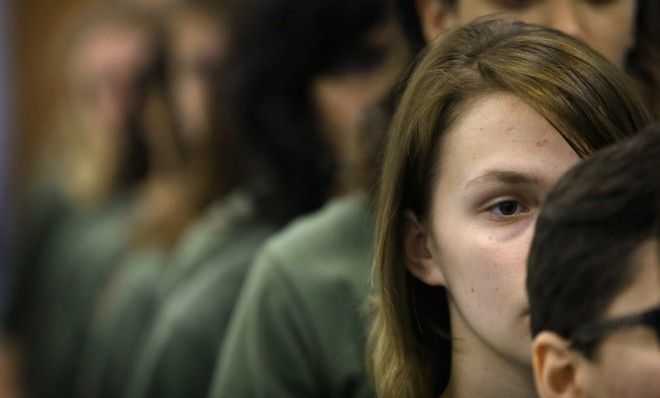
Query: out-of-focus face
(197, 46)
(496, 167)
(108, 72)
(606, 25)
(152, 5)
(341, 98)
(627, 362)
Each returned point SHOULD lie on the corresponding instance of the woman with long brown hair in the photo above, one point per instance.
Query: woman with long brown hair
(490, 119)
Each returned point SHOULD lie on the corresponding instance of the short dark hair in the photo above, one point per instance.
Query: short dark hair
(589, 228)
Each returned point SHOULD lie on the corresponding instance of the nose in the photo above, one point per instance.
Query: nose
(565, 16)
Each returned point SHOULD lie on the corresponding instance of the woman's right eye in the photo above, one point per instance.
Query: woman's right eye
(507, 209)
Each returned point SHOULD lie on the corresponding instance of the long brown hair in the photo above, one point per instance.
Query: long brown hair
(588, 101)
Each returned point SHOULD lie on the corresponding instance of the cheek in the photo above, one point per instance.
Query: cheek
(338, 105)
(485, 272)
(612, 31)
(631, 374)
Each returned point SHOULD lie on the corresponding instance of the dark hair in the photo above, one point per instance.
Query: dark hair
(277, 48)
(592, 222)
(409, 19)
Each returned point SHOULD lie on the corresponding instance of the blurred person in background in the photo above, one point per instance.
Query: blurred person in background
(624, 31)
(297, 80)
(299, 328)
(82, 208)
(188, 214)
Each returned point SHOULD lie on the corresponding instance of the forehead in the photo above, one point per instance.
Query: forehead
(501, 132)
(114, 44)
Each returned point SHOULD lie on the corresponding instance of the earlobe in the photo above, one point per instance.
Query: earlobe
(435, 16)
(554, 367)
(418, 255)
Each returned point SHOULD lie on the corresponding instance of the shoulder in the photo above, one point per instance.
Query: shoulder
(339, 229)
(319, 255)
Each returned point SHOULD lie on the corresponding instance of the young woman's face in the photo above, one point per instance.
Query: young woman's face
(497, 165)
(606, 25)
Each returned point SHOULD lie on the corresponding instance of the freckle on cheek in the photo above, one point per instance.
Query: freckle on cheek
(541, 144)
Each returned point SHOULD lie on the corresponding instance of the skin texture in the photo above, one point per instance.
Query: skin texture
(497, 165)
(106, 73)
(606, 25)
(198, 43)
(628, 362)
(342, 99)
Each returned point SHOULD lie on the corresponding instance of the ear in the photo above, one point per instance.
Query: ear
(419, 258)
(555, 367)
(435, 17)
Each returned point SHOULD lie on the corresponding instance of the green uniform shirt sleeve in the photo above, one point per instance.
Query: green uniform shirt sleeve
(268, 350)
(300, 326)
(181, 349)
(118, 324)
(180, 352)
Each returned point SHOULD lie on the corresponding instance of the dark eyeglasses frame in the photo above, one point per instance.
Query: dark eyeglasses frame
(592, 332)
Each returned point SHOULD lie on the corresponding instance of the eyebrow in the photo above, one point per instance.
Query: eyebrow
(504, 176)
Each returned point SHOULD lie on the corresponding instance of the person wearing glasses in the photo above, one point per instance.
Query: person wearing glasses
(594, 277)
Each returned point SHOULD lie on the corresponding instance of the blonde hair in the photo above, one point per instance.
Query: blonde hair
(588, 101)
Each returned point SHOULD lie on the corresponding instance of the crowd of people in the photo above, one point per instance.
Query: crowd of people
(346, 198)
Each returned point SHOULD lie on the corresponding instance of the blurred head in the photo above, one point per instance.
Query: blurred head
(110, 58)
(594, 277)
(196, 46)
(298, 75)
(113, 68)
(607, 26)
(196, 37)
(490, 119)
(625, 31)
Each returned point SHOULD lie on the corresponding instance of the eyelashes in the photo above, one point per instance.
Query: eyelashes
(507, 209)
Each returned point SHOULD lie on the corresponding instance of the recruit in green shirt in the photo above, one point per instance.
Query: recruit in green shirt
(199, 294)
(300, 326)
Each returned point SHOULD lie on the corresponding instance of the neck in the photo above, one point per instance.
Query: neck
(478, 371)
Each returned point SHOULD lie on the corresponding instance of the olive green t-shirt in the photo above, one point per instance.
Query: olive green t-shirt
(300, 327)
(139, 286)
(75, 263)
(180, 350)
(117, 326)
